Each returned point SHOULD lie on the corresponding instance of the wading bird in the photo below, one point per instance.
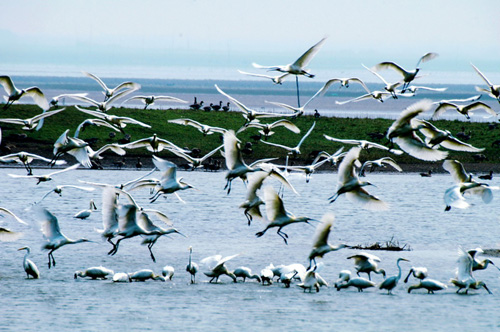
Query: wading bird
(145, 274)
(84, 214)
(367, 263)
(477, 264)
(391, 282)
(194, 163)
(277, 215)
(465, 278)
(168, 272)
(217, 268)
(59, 189)
(94, 122)
(96, 272)
(192, 267)
(29, 267)
(417, 272)
(245, 272)
(14, 94)
(55, 239)
(430, 284)
(346, 281)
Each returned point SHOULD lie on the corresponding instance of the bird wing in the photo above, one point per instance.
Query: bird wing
(427, 57)
(346, 168)
(117, 96)
(391, 162)
(75, 166)
(482, 75)
(187, 122)
(287, 124)
(453, 197)
(286, 106)
(376, 74)
(10, 213)
(457, 171)
(307, 134)
(255, 180)
(367, 201)
(46, 114)
(208, 155)
(277, 145)
(323, 230)
(127, 85)
(13, 121)
(231, 151)
(455, 144)
(124, 119)
(344, 141)
(113, 147)
(211, 261)
(86, 99)
(309, 54)
(50, 225)
(465, 262)
(97, 114)
(7, 84)
(443, 107)
(365, 96)
(274, 204)
(163, 164)
(169, 98)
(38, 97)
(242, 107)
(480, 105)
(415, 147)
(97, 79)
(392, 65)
(160, 215)
(109, 208)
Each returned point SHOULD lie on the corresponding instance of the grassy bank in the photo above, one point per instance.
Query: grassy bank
(481, 134)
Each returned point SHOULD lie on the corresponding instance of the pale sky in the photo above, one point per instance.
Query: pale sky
(231, 33)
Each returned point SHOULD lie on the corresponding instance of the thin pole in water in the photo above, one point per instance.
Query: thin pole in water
(298, 96)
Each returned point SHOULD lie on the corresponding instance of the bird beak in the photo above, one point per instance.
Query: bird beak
(23, 248)
(181, 234)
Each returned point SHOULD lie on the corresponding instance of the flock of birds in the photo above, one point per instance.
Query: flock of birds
(123, 218)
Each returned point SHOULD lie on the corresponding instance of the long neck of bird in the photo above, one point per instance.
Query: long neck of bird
(399, 267)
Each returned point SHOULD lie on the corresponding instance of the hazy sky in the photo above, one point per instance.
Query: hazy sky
(231, 33)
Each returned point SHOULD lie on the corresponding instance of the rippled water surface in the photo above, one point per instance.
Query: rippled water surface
(214, 225)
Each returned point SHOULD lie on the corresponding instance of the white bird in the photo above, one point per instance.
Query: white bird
(435, 137)
(195, 162)
(95, 272)
(350, 184)
(248, 113)
(252, 200)
(277, 215)
(408, 75)
(145, 274)
(118, 121)
(73, 146)
(94, 122)
(109, 212)
(31, 123)
(346, 281)
(493, 90)
(108, 93)
(389, 87)
(293, 150)
(26, 158)
(367, 263)
(391, 282)
(377, 95)
(414, 88)
(364, 144)
(168, 183)
(55, 239)
(465, 110)
(245, 272)
(203, 128)
(55, 100)
(150, 100)
(308, 170)
(402, 132)
(297, 67)
(105, 105)
(14, 94)
(96, 155)
(276, 79)
(266, 276)
(430, 284)
(7, 235)
(266, 129)
(217, 268)
(418, 272)
(320, 245)
(153, 144)
(309, 282)
(382, 162)
(29, 267)
(121, 277)
(465, 278)
(84, 214)
(344, 82)
(168, 272)
(477, 264)
(297, 111)
(192, 267)
(46, 177)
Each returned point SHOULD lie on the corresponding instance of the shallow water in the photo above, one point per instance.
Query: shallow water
(214, 225)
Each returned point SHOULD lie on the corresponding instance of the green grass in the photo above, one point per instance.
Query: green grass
(189, 137)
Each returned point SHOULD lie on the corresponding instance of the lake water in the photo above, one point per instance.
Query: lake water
(215, 225)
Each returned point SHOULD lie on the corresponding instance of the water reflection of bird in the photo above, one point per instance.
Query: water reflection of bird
(29, 267)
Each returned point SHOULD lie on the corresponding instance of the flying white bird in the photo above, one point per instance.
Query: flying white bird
(6, 235)
(14, 94)
(276, 79)
(150, 100)
(296, 149)
(465, 279)
(320, 245)
(26, 158)
(108, 93)
(493, 90)
(46, 177)
(73, 146)
(30, 124)
(465, 110)
(203, 128)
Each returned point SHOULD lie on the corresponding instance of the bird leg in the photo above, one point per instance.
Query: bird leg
(114, 245)
(284, 236)
(249, 216)
(53, 260)
(155, 197)
(28, 168)
(150, 246)
(228, 186)
(113, 251)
